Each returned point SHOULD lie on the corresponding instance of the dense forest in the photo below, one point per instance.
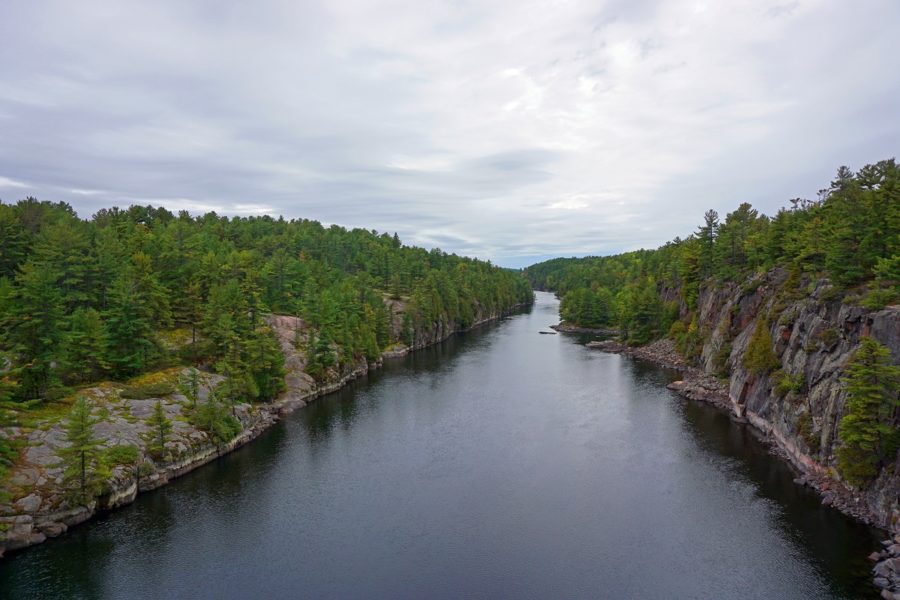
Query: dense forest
(850, 234)
(134, 290)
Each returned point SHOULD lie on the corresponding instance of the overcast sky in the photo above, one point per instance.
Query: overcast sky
(511, 131)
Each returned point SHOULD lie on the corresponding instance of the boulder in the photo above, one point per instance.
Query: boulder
(881, 570)
(52, 529)
(29, 504)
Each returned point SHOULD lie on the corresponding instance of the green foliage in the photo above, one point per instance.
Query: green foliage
(720, 360)
(160, 428)
(807, 432)
(84, 469)
(589, 308)
(8, 454)
(641, 312)
(759, 358)
(214, 418)
(87, 346)
(143, 391)
(130, 325)
(189, 386)
(82, 300)
(34, 331)
(851, 235)
(786, 383)
(828, 337)
(886, 287)
(868, 429)
(266, 364)
(122, 454)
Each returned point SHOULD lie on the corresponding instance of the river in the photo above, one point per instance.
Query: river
(499, 464)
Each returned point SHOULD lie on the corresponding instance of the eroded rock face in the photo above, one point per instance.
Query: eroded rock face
(814, 335)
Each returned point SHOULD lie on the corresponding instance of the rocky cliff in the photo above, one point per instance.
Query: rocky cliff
(815, 330)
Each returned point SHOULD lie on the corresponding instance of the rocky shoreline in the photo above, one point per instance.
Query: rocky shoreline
(887, 568)
(697, 385)
(565, 327)
(29, 525)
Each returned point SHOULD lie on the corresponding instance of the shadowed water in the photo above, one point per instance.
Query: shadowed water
(500, 464)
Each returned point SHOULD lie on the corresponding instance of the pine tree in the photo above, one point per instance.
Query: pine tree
(266, 364)
(706, 236)
(83, 469)
(35, 331)
(86, 346)
(869, 428)
(189, 386)
(213, 418)
(160, 429)
(759, 358)
(129, 322)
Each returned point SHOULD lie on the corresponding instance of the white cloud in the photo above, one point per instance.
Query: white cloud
(500, 129)
(11, 183)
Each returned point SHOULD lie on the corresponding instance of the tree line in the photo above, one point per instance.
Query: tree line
(849, 234)
(103, 298)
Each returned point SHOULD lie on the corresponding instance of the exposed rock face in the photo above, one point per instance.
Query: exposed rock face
(814, 335)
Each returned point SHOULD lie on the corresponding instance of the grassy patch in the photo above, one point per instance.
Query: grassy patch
(152, 385)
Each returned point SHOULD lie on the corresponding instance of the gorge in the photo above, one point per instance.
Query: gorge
(498, 462)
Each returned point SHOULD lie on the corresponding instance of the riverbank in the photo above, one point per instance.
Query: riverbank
(564, 327)
(40, 510)
(697, 385)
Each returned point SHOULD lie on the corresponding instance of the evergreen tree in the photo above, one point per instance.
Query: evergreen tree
(869, 428)
(759, 358)
(83, 468)
(267, 364)
(129, 323)
(706, 236)
(35, 331)
(189, 386)
(86, 346)
(160, 429)
(213, 417)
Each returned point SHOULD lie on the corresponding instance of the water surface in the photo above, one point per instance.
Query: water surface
(500, 464)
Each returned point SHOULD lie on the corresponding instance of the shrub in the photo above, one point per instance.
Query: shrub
(828, 337)
(144, 391)
(213, 417)
(720, 362)
(786, 383)
(878, 299)
(759, 358)
(122, 454)
(805, 429)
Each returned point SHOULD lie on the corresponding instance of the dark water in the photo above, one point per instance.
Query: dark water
(501, 464)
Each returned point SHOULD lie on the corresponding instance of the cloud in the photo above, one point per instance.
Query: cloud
(507, 130)
(6, 182)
